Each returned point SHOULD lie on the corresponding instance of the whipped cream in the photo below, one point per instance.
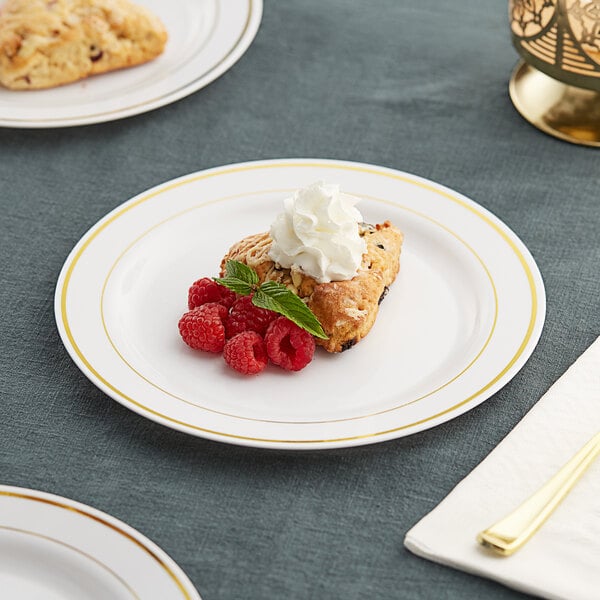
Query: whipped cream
(317, 234)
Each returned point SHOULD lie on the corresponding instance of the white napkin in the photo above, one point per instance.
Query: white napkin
(562, 560)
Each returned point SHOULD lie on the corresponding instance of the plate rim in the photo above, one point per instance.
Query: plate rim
(233, 55)
(174, 571)
(524, 351)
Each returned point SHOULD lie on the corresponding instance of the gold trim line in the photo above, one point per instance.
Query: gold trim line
(365, 416)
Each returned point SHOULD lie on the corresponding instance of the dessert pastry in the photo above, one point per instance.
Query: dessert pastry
(346, 308)
(46, 43)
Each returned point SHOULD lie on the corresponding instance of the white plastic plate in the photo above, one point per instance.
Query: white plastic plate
(206, 37)
(462, 318)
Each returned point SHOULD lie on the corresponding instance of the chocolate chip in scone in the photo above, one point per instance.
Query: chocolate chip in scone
(95, 53)
(386, 289)
(348, 344)
(380, 246)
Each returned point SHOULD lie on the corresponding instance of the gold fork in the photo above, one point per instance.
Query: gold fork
(510, 533)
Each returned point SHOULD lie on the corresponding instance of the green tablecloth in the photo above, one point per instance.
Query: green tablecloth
(419, 86)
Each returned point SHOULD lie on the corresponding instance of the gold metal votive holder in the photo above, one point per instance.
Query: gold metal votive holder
(556, 86)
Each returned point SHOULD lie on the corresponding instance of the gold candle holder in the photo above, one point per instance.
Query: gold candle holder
(556, 86)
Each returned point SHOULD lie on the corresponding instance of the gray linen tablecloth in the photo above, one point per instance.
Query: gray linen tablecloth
(420, 86)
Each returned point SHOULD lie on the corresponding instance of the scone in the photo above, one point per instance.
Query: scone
(46, 43)
(345, 309)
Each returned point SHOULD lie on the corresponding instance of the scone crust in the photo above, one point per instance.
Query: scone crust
(346, 309)
(47, 43)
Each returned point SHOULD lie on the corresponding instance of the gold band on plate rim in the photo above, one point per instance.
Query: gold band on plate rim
(264, 192)
(175, 92)
(249, 167)
(104, 522)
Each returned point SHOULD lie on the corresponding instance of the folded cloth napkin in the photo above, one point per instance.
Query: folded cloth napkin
(562, 560)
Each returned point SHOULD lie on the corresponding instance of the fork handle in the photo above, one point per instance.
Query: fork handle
(509, 534)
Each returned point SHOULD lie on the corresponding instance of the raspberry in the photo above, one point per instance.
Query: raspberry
(246, 353)
(288, 345)
(206, 290)
(245, 316)
(203, 327)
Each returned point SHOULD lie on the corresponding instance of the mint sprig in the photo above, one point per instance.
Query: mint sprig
(271, 295)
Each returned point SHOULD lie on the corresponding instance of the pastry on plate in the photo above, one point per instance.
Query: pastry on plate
(347, 307)
(47, 43)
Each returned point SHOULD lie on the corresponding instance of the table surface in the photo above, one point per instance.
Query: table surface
(419, 86)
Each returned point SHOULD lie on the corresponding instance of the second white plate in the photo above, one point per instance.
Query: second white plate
(206, 37)
(53, 548)
(463, 316)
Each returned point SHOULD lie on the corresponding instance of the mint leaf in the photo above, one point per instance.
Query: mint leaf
(238, 270)
(276, 297)
(271, 295)
(237, 285)
(239, 277)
